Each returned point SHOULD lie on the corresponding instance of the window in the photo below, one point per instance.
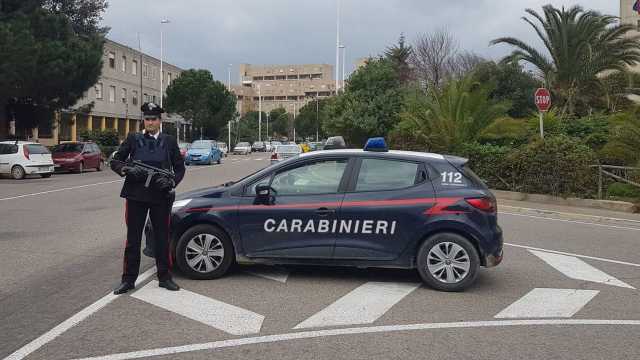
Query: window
(37, 149)
(98, 88)
(380, 174)
(134, 67)
(153, 72)
(6, 149)
(124, 63)
(134, 97)
(145, 98)
(112, 60)
(154, 99)
(123, 95)
(112, 94)
(322, 177)
(145, 70)
(168, 79)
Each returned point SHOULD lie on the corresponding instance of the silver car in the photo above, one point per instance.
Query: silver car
(284, 152)
(243, 148)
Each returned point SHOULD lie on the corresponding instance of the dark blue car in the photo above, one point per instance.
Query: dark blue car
(364, 208)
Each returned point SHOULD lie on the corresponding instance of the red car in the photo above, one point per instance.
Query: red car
(77, 156)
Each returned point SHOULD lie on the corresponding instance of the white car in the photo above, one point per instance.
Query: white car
(21, 158)
(284, 152)
(243, 148)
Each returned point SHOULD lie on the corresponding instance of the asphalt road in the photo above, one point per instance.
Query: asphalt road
(567, 289)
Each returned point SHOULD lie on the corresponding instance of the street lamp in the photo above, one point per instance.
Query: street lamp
(229, 122)
(344, 51)
(337, 45)
(163, 21)
(259, 114)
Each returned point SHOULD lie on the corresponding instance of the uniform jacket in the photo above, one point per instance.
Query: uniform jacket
(134, 190)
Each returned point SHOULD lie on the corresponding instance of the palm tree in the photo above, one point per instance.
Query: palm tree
(580, 46)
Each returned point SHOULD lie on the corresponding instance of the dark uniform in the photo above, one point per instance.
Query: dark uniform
(155, 199)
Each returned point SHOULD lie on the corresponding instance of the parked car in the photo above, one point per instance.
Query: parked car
(268, 147)
(184, 147)
(203, 152)
(274, 144)
(284, 152)
(21, 158)
(335, 142)
(77, 156)
(258, 146)
(224, 148)
(242, 148)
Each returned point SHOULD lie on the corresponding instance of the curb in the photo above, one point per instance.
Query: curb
(621, 206)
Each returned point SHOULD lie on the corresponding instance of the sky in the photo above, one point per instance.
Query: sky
(212, 34)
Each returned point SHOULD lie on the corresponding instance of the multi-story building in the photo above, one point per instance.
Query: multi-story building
(632, 17)
(129, 78)
(286, 86)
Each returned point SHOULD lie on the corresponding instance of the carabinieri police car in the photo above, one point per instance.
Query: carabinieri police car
(347, 207)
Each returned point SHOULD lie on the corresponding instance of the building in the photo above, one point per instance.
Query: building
(286, 86)
(128, 79)
(632, 17)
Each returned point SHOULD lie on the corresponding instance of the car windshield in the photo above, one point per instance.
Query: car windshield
(201, 145)
(242, 144)
(62, 148)
(184, 146)
(288, 149)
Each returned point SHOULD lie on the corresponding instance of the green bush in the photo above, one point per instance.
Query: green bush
(593, 130)
(489, 162)
(557, 165)
(623, 190)
(108, 137)
(505, 131)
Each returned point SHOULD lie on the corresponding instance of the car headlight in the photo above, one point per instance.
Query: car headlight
(180, 204)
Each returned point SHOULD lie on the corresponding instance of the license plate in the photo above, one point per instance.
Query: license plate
(43, 168)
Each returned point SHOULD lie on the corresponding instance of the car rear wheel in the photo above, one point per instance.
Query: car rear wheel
(448, 262)
(204, 252)
(17, 172)
(99, 167)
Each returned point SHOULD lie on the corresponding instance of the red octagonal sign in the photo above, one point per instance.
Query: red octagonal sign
(543, 99)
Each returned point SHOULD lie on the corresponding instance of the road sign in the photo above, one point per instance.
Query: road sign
(543, 99)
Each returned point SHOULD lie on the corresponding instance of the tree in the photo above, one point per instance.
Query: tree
(311, 118)
(196, 96)
(399, 55)
(445, 119)
(580, 45)
(369, 106)
(433, 57)
(52, 53)
(278, 122)
(510, 83)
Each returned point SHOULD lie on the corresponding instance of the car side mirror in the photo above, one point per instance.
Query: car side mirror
(264, 193)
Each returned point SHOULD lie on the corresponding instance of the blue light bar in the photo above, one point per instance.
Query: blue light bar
(376, 144)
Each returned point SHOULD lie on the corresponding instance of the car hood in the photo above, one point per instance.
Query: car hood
(198, 151)
(214, 192)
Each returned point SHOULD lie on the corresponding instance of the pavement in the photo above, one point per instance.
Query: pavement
(567, 289)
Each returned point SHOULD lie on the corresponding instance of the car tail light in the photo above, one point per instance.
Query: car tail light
(25, 149)
(274, 156)
(486, 204)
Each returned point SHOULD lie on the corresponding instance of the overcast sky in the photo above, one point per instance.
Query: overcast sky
(211, 34)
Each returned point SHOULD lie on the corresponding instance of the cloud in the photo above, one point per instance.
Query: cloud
(211, 34)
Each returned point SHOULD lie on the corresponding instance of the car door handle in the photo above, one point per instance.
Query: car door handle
(325, 211)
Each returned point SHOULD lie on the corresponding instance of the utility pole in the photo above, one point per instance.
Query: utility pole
(337, 46)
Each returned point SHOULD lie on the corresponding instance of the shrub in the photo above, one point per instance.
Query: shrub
(107, 137)
(623, 190)
(489, 162)
(557, 165)
(505, 131)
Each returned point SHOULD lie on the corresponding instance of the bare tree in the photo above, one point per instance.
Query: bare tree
(433, 56)
(465, 62)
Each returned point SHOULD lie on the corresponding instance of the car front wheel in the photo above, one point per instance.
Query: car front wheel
(448, 262)
(17, 172)
(204, 252)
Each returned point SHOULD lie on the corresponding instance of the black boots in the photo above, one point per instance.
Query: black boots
(123, 288)
(169, 285)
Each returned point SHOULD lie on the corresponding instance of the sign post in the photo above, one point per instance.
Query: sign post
(542, 98)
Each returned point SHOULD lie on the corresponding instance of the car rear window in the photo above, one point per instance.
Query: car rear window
(37, 149)
(6, 149)
(68, 148)
(450, 177)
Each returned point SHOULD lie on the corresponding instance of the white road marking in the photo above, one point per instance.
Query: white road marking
(72, 321)
(58, 190)
(259, 159)
(576, 255)
(357, 331)
(577, 269)
(363, 305)
(271, 273)
(597, 217)
(220, 315)
(548, 303)
(575, 222)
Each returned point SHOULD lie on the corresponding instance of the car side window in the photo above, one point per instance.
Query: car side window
(251, 189)
(382, 174)
(321, 177)
(7, 149)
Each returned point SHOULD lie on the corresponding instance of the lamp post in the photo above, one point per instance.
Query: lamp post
(259, 114)
(163, 21)
(317, 119)
(344, 51)
(337, 45)
(229, 122)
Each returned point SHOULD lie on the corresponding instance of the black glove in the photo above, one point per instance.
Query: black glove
(134, 173)
(163, 184)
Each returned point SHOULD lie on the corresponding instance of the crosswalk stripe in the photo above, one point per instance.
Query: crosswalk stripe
(270, 273)
(220, 315)
(548, 303)
(363, 305)
(577, 269)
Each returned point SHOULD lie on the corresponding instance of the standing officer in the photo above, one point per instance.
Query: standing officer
(160, 150)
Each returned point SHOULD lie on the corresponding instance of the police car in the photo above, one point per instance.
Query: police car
(370, 207)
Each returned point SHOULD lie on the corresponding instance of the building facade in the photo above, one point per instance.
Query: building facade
(282, 86)
(128, 79)
(632, 17)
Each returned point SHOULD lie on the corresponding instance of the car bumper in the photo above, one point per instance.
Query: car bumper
(39, 169)
(63, 165)
(493, 257)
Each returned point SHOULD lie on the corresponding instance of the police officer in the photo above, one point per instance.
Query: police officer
(160, 150)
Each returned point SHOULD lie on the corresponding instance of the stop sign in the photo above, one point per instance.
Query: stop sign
(543, 99)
